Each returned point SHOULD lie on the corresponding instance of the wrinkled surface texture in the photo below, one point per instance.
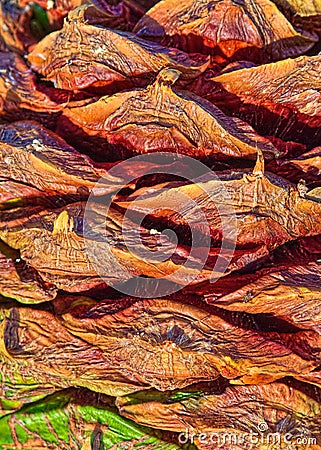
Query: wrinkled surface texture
(103, 57)
(248, 29)
(282, 98)
(185, 124)
(160, 225)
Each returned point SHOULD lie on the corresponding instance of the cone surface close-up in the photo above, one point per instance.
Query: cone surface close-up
(160, 225)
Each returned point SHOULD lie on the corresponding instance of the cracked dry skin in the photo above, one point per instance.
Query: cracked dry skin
(50, 239)
(281, 98)
(300, 252)
(23, 97)
(268, 211)
(76, 254)
(250, 29)
(52, 242)
(281, 408)
(19, 388)
(78, 419)
(81, 56)
(163, 118)
(175, 345)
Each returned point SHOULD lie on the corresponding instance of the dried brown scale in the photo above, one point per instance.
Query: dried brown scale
(269, 211)
(35, 162)
(49, 240)
(166, 337)
(304, 14)
(18, 87)
(15, 26)
(252, 29)
(293, 82)
(281, 98)
(163, 118)
(81, 56)
(20, 281)
(213, 357)
(291, 293)
(42, 348)
(31, 154)
(301, 252)
(23, 97)
(306, 166)
(239, 410)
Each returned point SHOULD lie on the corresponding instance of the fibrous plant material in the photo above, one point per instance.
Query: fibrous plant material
(251, 29)
(15, 26)
(20, 281)
(78, 419)
(238, 412)
(262, 221)
(281, 98)
(18, 388)
(36, 163)
(32, 155)
(50, 239)
(291, 293)
(44, 349)
(305, 14)
(160, 206)
(117, 351)
(23, 97)
(80, 56)
(162, 118)
(199, 344)
(305, 167)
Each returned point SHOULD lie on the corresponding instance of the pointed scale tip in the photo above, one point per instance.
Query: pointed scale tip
(168, 76)
(259, 165)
